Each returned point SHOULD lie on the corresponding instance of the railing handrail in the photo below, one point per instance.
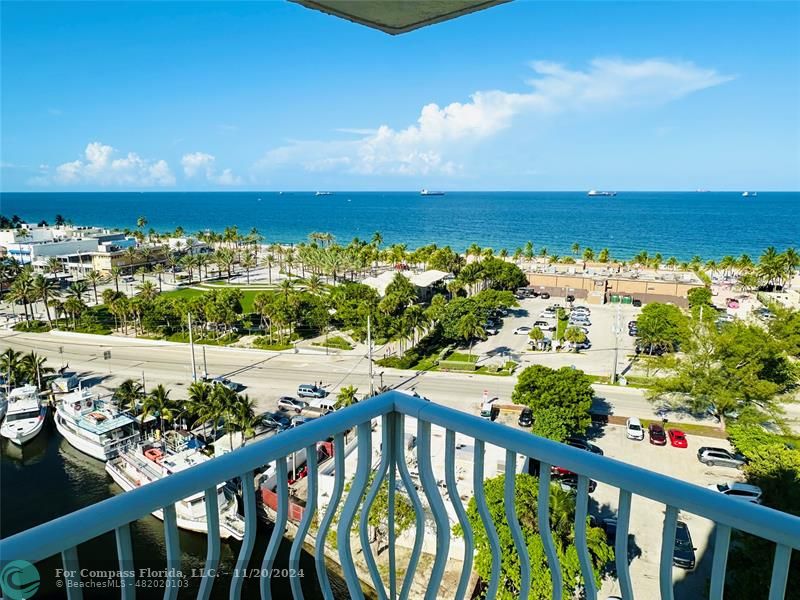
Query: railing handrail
(92, 521)
(762, 521)
(75, 528)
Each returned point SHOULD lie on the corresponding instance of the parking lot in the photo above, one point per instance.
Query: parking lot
(597, 360)
(647, 515)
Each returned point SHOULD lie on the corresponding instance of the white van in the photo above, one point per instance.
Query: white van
(324, 405)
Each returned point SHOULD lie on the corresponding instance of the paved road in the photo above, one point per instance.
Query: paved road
(268, 375)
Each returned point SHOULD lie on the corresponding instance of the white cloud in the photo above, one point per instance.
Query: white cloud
(203, 164)
(99, 167)
(423, 147)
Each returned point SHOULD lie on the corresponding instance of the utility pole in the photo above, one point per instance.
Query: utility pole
(616, 330)
(191, 348)
(144, 385)
(369, 346)
(205, 365)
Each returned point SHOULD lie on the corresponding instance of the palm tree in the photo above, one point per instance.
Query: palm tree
(588, 254)
(159, 271)
(604, 255)
(470, 328)
(575, 336)
(33, 367)
(314, 285)
(377, 239)
(128, 394)
(54, 266)
(576, 247)
(115, 274)
(249, 262)
(45, 290)
(158, 403)
(199, 394)
(74, 307)
(22, 290)
(94, 277)
(148, 290)
(346, 397)
(141, 222)
(77, 289)
(11, 367)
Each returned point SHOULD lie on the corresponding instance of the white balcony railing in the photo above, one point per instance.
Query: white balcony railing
(63, 535)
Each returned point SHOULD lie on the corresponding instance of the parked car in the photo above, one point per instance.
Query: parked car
(490, 329)
(637, 303)
(657, 435)
(633, 331)
(584, 345)
(732, 303)
(525, 417)
(276, 421)
(683, 555)
(570, 482)
(579, 321)
(288, 403)
(223, 381)
(570, 298)
(677, 438)
(582, 444)
(522, 330)
(632, 324)
(719, 457)
(545, 296)
(297, 421)
(311, 391)
(610, 527)
(545, 326)
(740, 491)
(633, 429)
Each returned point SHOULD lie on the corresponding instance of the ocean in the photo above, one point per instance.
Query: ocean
(680, 224)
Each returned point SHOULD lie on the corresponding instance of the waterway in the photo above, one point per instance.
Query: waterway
(48, 478)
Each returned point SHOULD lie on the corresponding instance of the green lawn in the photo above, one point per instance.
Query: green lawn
(247, 296)
(460, 356)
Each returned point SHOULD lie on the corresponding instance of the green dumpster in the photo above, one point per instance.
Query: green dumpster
(627, 299)
(614, 299)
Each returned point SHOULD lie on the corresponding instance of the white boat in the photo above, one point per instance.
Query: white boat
(425, 192)
(94, 427)
(3, 405)
(749, 194)
(25, 415)
(599, 193)
(324, 194)
(147, 463)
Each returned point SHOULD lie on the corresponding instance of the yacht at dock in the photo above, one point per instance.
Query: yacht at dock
(93, 426)
(147, 463)
(24, 416)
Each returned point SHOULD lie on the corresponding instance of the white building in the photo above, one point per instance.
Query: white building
(426, 282)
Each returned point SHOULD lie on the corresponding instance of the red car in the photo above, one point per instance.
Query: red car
(657, 435)
(677, 438)
(560, 472)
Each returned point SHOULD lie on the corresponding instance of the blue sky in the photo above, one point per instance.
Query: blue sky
(525, 96)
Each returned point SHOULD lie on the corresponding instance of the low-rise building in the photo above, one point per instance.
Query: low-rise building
(612, 283)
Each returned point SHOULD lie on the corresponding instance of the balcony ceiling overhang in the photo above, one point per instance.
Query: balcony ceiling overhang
(398, 16)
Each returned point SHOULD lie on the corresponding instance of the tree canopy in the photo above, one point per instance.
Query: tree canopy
(562, 517)
(737, 371)
(662, 326)
(559, 399)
